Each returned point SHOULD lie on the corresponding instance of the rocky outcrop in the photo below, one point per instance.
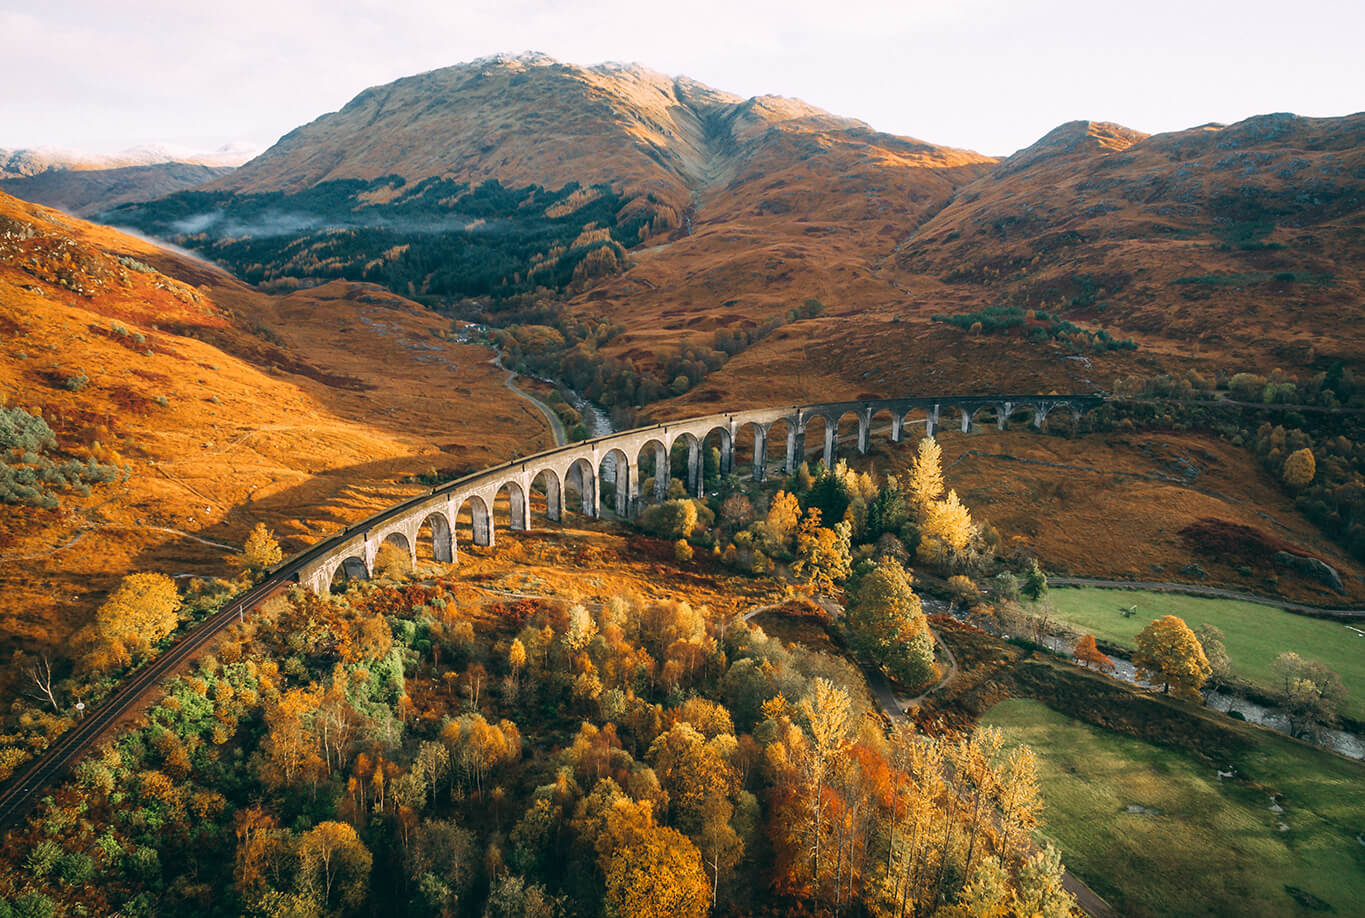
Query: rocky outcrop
(1313, 568)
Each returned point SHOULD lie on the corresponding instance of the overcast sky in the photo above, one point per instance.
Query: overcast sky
(991, 75)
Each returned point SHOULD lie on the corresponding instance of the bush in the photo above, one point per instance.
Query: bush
(682, 551)
(962, 588)
(672, 519)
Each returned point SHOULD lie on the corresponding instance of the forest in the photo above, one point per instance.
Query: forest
(434, 241)
(485, 740)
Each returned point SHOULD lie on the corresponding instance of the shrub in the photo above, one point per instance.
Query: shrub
(672, 519)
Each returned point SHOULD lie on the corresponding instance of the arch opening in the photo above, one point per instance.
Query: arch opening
(547, 498)
(685, 463)
(1020, 417)
(780, 438)
(510, 502)
(717, 457)
(394, 557)
(474, 523)
(813, 441)
(985, 416)
(849, 433)
(614, 475)
(749, 456)
(434, 542)
(580, 488)
(652, 463)
(348, 571)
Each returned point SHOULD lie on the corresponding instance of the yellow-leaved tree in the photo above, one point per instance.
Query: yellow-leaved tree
(824, 557)
(924, 483)
(784, 515)
(137, 615)
(334, 867)
(947, 530)
(260, 552)
(1169, 654)
(652, 871)
(1299, 468)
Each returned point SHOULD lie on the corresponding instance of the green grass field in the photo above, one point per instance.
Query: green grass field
(1255, 634)
(1198, 846)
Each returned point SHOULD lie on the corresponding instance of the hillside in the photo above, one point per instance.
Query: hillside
(672, 228)
(213, 407)
(1241, 243)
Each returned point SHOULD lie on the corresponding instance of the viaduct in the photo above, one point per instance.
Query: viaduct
(614, 462)
(585, 466)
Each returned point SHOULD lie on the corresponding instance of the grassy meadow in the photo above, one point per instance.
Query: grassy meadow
(1157, 832)
(1255, 634)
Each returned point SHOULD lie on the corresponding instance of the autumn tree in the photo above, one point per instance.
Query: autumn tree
(885, 622)
(652, 871)
(1216, 652)
(138, 614)
(824, 556)
(694, 770)
(1299, 468)
(947, 530)
(828, 713)
(924, 483)
(260, 552)
(1090, 656)
(334, 866)
(1308, 691)
(672, 519)
(784, 516)
(1168, 653)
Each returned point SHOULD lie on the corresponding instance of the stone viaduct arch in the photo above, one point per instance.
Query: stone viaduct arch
(438, 512)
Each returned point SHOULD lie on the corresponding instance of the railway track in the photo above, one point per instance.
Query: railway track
(23, 791)
(27, 787)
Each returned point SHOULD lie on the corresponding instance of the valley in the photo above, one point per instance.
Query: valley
(546, 490)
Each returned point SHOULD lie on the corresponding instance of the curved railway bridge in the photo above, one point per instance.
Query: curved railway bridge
(590, 468)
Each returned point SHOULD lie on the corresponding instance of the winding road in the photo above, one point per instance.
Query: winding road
(556, 425)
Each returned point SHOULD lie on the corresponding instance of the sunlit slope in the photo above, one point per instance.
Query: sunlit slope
(224, 406)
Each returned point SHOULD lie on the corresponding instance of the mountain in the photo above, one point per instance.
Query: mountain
(514, 180)
(23, 162)
(693, 247)
(1243, 240)
(84, 192)
(89, 183)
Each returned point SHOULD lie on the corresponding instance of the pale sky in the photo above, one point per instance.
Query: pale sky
(990, 75)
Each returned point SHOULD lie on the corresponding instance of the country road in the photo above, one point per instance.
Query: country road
(556, 425)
